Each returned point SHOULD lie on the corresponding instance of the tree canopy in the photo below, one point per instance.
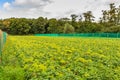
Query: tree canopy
(84, 23)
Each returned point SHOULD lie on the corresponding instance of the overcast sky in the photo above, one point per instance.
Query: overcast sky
(52, 8)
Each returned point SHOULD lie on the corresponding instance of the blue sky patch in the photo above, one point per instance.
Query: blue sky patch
(3, 1)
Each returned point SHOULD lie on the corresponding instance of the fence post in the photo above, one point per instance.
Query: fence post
(0, 46)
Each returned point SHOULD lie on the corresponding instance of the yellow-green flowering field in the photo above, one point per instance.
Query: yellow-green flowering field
(60, 58)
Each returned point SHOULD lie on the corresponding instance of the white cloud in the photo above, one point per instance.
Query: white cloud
(6, 5)
(54, 8)
(25, 8)
(31, 3)
(63, 8)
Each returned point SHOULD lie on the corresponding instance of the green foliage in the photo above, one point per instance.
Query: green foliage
(87, 27)
(54, 58)
(68, 28)
(111, 16)
(53, 26)
(38, 25)
(12, 73)
(88, 16)
(19, 26)
(114, 29)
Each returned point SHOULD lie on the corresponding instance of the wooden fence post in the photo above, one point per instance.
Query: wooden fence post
(0, 46)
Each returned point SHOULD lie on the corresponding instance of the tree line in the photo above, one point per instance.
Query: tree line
(108, 22)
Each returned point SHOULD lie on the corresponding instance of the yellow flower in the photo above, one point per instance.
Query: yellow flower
(42, 67)
(81, 60)
(68, 51)
(62, 61)
(86, 75)
(59, 74)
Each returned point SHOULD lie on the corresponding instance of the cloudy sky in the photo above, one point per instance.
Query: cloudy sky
(52, 8)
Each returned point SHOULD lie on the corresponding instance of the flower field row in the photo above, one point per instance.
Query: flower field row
(61, 58)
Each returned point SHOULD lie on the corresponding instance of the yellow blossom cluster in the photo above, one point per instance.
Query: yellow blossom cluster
(64, 58)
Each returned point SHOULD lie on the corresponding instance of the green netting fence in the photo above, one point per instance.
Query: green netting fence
(111, 35)
(3, 36)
